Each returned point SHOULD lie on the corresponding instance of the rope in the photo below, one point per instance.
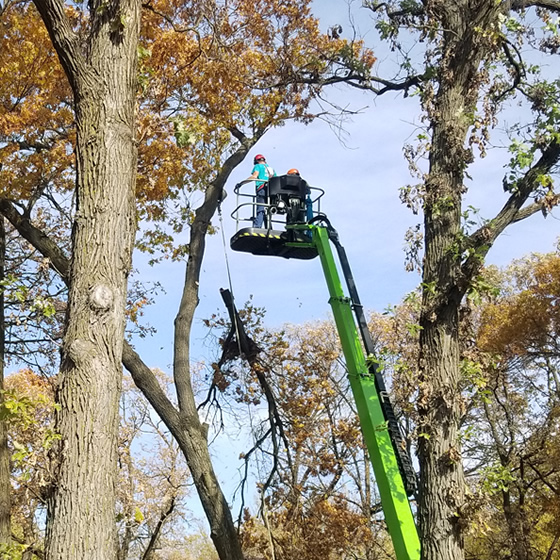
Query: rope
(228, 273)
(251, 423)
(225, 250)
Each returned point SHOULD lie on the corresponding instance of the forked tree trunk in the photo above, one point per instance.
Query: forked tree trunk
(103, 75)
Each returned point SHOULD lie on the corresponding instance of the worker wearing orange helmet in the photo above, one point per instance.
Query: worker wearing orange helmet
(308, 201)
(262, 172)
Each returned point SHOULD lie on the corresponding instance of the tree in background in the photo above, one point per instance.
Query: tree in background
(152, 482)
(28, 413)
(509, 384)
(316, 493)
(514, 423)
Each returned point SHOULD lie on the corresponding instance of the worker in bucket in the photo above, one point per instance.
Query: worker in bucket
(308, 201)
(262, 172)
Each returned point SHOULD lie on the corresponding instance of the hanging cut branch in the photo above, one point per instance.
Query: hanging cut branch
(239, 344)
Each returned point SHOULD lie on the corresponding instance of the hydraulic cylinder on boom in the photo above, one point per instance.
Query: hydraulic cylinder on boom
(305, 235)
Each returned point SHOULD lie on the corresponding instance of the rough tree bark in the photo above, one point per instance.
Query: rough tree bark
(442, 485)
(5, 487)
(102, 70)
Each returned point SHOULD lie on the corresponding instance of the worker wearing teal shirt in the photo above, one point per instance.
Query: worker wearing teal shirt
(261, 171)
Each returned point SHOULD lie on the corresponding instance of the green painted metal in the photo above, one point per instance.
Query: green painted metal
(396, 507)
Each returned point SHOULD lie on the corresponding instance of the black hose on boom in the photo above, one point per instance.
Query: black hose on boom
(405, 464)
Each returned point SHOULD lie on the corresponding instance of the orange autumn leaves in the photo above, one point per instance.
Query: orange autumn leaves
(35, 114)
(205, 68)
(529, 316)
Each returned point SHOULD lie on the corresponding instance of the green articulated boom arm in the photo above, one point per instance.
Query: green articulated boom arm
(309, 234)
(392, 467)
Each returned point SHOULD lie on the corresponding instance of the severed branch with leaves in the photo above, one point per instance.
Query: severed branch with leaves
(238, 344)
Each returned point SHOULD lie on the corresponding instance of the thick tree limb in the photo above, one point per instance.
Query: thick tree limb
(193, 443)
(36, 146)
(37, 238)
(238, 134)
(512, 211)
(189, 300)
(147, 382)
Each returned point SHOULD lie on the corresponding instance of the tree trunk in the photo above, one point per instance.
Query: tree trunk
(195, 445)
(5, 488)
(518, 527)
(441, 489)
(81, 509)
(442, 485)
(183, 424)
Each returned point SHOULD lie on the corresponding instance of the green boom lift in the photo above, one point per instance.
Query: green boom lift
(306, 234)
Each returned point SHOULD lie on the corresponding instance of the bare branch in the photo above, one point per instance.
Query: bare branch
(528, 211)
(148, 6)
(246, 458)
(239, 344)
(237, 134)
(157, 531)
(412, 10)
(32, 548)
(543, 478)
(516, 64)
(359, 81)
(37, 238)
(519, 5)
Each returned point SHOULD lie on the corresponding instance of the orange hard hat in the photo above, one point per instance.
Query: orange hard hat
(293, 171)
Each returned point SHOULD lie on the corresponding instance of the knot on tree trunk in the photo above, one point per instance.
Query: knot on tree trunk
(80, 351)
(101, 298)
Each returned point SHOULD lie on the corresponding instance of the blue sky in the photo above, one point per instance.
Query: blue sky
(361, 179)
